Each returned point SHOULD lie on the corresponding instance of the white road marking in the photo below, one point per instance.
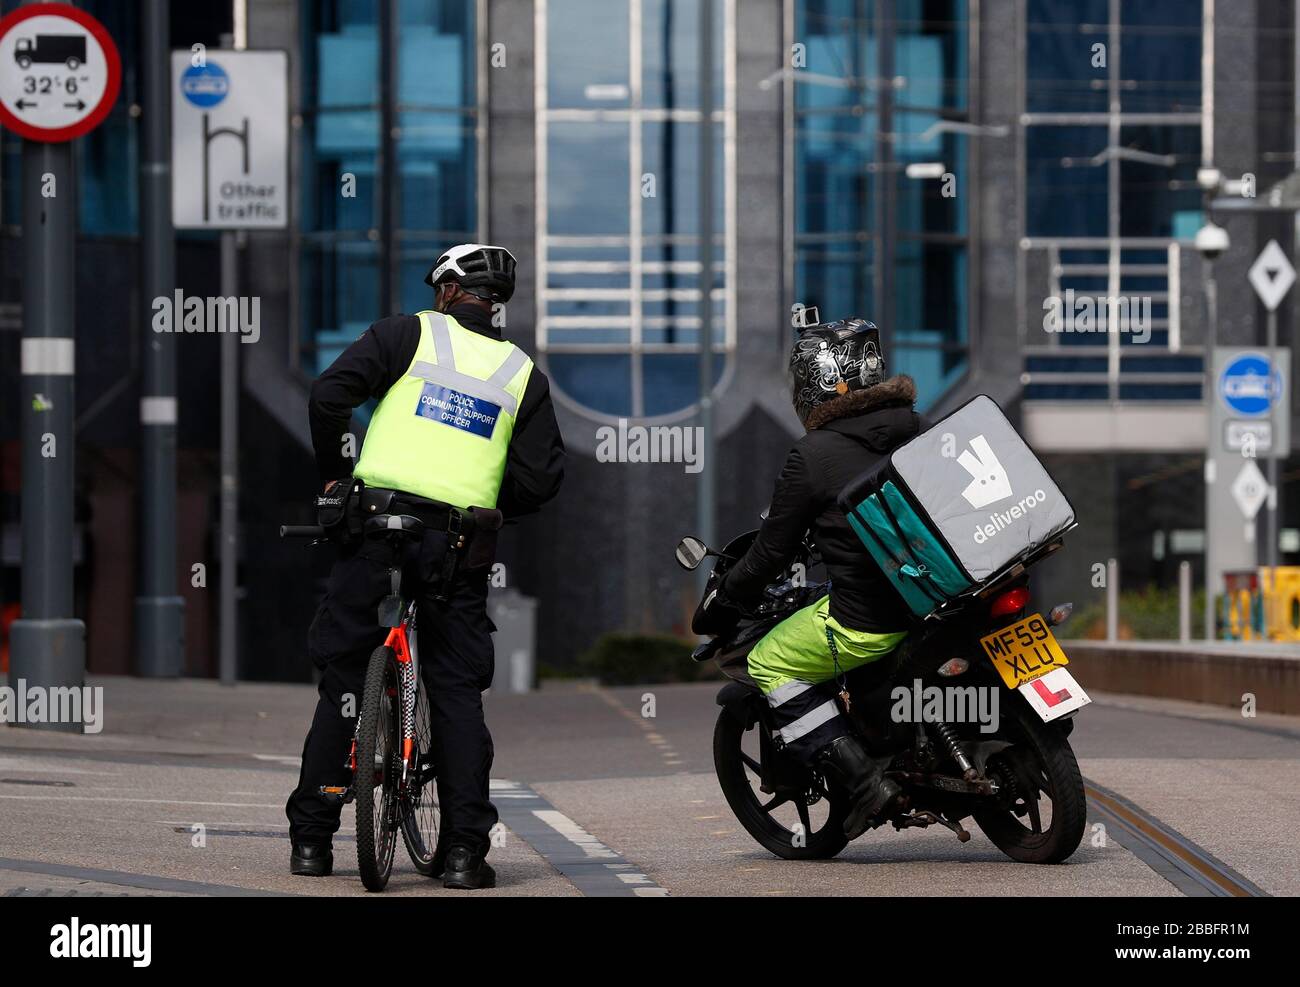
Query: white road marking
(82, 798)
(574, 833)
(49, 765)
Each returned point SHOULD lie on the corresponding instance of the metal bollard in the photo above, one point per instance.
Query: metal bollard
(1112, 600)
(1184, 602)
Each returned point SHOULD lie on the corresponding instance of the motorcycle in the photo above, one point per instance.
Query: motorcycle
(1013, 772)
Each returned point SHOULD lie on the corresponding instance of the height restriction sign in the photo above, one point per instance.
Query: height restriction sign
(59, 72)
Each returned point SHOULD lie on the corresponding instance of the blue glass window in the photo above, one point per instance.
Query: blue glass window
(880, 204)
(348, 253)
(619, 242)
(1107, 215)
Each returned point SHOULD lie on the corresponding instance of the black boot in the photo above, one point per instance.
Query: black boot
(467, 871)
(311, 859)
(845, 761)
(439, 863)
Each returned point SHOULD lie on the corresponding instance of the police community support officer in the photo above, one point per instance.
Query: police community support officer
(504, 453)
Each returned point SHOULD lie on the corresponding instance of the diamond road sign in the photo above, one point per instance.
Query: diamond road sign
(1271, 275)
(1250, 489)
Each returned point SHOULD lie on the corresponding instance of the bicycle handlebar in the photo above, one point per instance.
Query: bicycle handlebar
(301, 531)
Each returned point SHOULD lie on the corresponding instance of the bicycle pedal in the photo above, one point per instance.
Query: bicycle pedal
(338, 792)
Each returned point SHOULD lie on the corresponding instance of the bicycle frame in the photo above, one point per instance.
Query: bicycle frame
(404, 642)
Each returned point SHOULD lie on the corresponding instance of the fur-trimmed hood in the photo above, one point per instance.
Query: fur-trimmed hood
(896, 391)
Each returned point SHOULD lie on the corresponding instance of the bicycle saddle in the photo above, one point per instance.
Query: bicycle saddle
(394, 523)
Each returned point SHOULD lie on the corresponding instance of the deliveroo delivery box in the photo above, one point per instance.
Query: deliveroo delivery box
(955, 506)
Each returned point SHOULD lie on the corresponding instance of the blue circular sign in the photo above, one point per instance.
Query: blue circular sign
(1246, 386)
(205, 85)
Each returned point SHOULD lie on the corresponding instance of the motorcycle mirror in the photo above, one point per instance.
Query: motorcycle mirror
(691, 552)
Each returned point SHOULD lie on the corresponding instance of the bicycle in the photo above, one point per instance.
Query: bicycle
(393, 732)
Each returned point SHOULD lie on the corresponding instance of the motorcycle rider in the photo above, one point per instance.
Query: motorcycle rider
(499, 454)
(853, 416)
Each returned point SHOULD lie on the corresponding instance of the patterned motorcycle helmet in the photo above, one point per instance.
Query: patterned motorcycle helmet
(832, 359)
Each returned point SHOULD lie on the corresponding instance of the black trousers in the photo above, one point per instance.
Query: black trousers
(454, 643)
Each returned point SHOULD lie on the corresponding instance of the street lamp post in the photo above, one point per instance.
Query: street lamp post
(159, 609)
(707, 445)
(1211, 241)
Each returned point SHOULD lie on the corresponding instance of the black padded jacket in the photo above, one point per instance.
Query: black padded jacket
(847, 437)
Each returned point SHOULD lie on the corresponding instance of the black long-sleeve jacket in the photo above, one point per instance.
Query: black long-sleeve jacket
(382, 355)
(869, 424)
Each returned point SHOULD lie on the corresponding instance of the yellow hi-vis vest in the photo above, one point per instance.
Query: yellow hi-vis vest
(442, 431)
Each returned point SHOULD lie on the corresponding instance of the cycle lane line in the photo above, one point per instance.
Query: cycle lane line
(589, 865)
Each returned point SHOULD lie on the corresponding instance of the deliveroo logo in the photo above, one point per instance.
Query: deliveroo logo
(989, 482)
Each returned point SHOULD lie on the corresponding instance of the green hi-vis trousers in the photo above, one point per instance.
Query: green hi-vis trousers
(794, 668)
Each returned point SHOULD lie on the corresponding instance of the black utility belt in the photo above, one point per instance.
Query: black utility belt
(374, 501)
(434, 515)
(471, 533)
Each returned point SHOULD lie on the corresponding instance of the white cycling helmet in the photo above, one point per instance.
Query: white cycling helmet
(479, 268)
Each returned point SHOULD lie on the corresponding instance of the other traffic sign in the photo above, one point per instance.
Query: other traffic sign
(230, 140)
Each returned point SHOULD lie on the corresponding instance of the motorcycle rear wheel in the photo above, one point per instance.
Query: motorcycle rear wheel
(738, 775)
(1046, 758)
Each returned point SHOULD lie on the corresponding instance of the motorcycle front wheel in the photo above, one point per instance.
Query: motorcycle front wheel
(1043, 811)
(804, 825)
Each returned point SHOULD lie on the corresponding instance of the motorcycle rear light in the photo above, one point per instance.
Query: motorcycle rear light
(953, 666)
(1011, 601)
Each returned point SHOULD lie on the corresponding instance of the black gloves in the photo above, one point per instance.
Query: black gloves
(716, 614)
(332, 509)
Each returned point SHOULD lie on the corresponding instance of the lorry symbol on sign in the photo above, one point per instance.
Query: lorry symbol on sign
(51, 49)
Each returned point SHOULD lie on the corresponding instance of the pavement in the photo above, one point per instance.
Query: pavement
(602, 791)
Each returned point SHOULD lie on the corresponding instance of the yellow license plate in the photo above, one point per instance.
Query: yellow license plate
(1024, 651)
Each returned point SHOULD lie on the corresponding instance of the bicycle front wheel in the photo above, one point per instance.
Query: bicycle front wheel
(378, 770)
(420, 815)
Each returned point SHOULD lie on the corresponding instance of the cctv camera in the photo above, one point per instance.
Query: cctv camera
(1211, 241)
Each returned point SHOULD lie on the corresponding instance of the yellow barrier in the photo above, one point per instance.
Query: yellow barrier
(1279, 591)
(1240, 611)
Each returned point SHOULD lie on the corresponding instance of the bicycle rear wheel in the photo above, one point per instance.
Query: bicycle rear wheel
(420, 816)
(378, 770)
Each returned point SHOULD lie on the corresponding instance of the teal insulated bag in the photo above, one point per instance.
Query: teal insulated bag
(955, 507)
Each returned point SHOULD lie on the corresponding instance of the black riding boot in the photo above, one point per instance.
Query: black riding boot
(845, 761)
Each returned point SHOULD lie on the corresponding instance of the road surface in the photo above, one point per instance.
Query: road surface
(183, 793)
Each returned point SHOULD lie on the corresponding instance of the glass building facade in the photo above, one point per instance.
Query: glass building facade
(879, 88)
(1112, 143)
(618, 202)
(939, 166)
(388, 152)
(391, 125)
